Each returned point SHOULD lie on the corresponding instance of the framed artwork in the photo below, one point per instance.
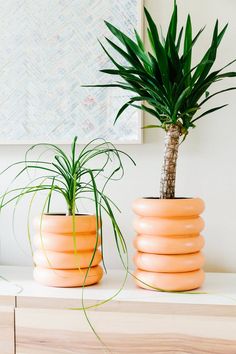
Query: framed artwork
(48, 50)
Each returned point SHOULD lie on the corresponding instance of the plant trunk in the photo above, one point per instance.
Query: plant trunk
(168, 173)
(69, 212)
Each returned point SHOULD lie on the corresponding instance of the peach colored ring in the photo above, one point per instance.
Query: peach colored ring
(65, 260)
(59, 224)
(166, 208)
(65, 243)
(168, 245)
(169, 263)
(67, 278)
(170, 281)
(168, 227)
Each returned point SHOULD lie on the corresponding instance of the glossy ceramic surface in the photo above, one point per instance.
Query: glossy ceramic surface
(169, 243)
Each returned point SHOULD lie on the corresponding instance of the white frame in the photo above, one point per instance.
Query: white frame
(140, 112)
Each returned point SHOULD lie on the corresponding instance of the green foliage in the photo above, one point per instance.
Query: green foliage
(70, 176)
(165, 77)
(73, 177)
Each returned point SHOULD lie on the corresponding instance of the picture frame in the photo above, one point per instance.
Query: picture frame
(40, 84)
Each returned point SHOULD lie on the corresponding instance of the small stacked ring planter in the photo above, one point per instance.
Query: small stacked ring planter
(169, 243)
(63, 252)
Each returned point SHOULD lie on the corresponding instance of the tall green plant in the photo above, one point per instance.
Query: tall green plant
(174, 90)
(73, 177)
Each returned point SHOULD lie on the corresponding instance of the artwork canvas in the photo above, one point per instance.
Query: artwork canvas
(48, 50)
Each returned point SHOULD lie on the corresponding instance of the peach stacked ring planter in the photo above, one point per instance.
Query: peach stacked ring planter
(62, 257)
(169, 243)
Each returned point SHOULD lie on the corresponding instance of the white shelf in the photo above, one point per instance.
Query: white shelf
(219, 289)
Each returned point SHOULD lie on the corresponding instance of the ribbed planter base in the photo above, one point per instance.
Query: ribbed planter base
(63, 256)
(170, 281)
(169, 243)
(67, 278)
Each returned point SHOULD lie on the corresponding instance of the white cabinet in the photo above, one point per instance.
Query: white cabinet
(136, 321)
(7, 305)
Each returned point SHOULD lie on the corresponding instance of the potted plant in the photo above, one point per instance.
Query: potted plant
(168, 229)
(67, 245)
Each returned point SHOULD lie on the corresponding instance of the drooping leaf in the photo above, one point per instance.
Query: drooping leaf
(148, 110)
(209, 112)
(215, 94)
(121, 110)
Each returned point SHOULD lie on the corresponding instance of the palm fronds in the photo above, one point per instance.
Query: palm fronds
(165, 78)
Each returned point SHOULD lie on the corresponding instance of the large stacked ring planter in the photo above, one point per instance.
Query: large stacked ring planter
(63, 252)
(169, 243)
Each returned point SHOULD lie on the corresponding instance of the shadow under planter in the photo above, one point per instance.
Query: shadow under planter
(64, 251)
(169, 243)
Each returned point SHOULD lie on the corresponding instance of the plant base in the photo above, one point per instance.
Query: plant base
(170, 281)
(67, 278)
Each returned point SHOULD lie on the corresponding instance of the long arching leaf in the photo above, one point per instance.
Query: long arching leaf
(209, 112)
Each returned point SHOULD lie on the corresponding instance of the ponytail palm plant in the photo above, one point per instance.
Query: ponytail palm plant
(81, 175)
(166, 84)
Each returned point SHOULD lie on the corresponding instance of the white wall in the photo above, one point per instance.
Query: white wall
(206, 166)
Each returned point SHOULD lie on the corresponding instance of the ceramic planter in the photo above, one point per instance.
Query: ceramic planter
(61, 259)
(169, 243)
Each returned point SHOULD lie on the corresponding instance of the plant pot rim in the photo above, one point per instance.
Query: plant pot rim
(176, 198)
(65, 215)
(157, 207)
(62, 223)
